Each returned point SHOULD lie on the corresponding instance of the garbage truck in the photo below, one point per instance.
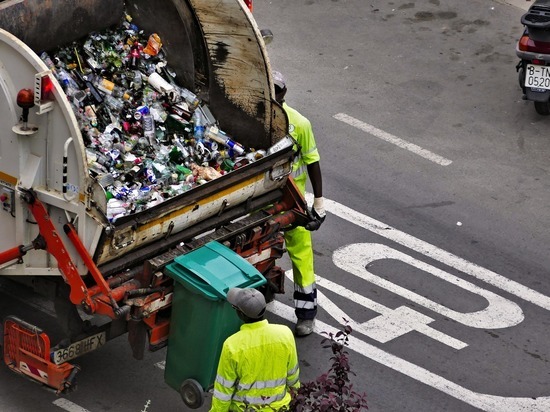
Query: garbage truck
(59, 239)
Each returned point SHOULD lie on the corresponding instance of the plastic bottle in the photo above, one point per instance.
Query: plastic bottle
(114, 103)
(67, 82)
(215, 134)
(198, 125)
(137, 82)
(190, 98)
(148, 127)
(108, 87)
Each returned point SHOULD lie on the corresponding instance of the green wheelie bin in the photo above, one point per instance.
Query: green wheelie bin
(201, 317)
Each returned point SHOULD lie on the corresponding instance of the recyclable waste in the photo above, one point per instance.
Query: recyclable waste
(147, 137)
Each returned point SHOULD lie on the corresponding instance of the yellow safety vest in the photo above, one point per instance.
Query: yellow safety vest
(299, 127)
(257, 366)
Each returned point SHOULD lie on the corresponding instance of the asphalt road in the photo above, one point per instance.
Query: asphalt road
(435, 246)
(382, 83)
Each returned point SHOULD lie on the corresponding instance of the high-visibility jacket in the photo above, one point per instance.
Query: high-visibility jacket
(257, 366)
(298, 240)
(299, 127)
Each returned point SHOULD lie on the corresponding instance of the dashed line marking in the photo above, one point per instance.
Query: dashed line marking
(69, 406)
(381, 134)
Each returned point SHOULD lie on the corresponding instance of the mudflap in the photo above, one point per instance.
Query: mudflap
(537, 96)
(27, 352)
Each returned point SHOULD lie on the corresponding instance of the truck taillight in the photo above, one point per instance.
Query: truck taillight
(43, 92)
(249, 4)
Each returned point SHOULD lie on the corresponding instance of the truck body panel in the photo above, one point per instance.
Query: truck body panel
(215, 50)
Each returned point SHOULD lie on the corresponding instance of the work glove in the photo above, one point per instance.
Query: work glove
(317, 214)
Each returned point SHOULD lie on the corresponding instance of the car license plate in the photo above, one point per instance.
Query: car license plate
(74, 350)
(537, 77)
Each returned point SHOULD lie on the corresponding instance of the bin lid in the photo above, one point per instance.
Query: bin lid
(212, 270)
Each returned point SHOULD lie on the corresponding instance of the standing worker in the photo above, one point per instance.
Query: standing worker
(259, 363)
(298, 241)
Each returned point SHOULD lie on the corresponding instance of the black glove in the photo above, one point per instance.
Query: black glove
(317, 215)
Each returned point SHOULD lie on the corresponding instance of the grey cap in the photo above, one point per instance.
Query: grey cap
(250, 301)
(278, 79)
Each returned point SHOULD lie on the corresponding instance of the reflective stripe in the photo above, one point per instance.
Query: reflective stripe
(292, 382)
(224, 382)
(293, 370)
(222, 396)
(314, 148)
(262, 384)
(299, 171)
(306, 290)
(260, 400)
(300, 304)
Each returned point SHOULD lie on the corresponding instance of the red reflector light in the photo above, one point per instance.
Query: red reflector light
(249, 4)
(46, 89)
(529, 45)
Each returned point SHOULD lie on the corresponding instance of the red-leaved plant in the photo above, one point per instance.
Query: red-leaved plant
(333, 390)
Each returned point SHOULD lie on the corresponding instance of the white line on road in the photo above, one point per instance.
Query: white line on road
(400, 324)
(488, 403)
(69, 406)
(426, 154)
(427, 249)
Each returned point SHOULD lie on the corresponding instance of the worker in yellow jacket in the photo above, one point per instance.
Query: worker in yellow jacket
(258, 364)
(298, 241)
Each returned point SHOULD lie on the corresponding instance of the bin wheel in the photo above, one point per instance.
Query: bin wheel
(191, 393)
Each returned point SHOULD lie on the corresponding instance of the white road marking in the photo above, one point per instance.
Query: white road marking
(435, 253)
(161, 365)
(68, 405)
(391, 323)
(381, 134)
(499, 313)
(488, 403)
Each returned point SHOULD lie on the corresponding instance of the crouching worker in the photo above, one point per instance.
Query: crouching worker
(259, 363)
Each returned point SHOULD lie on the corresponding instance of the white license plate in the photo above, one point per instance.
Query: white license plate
(74, 350)
(537, 77)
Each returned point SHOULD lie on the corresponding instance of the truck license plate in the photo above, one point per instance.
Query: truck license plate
(74, 350)
(537, 77)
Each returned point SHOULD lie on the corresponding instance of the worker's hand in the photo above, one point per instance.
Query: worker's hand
(317, 214)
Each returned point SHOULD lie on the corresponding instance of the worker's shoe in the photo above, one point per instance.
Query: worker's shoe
(304, 327)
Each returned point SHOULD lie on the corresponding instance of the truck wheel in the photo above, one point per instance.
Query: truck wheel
(191, 393)
(542, 108)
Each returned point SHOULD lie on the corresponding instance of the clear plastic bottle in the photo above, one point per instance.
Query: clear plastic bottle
(108, 87)
(198, 125)
(148, 127)
(190, 98)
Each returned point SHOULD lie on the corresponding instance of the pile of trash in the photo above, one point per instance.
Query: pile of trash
(147, 138)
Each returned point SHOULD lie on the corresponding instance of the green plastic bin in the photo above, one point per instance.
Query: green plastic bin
(201, 317)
